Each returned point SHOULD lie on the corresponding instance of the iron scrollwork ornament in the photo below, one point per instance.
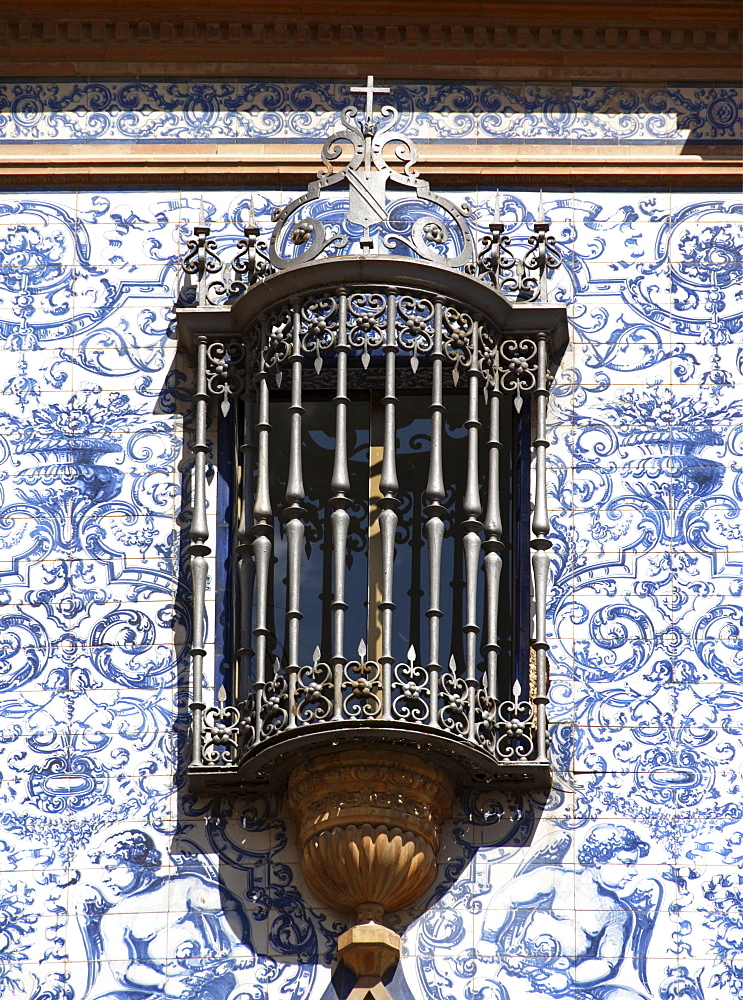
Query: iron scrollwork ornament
(203, 260)
(378, 207)
(226, 371)
(251, 263)
(524, 278)
(221, 732)
(518, 368)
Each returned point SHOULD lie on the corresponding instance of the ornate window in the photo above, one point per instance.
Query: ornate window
(374, 386)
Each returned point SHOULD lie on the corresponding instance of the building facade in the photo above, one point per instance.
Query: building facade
(622, 880)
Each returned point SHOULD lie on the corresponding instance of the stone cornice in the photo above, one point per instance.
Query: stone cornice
(232, 165)
(414, 40)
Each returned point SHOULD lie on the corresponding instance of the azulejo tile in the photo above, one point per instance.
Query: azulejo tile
(566, 860)
(198, 111)
(646, 652)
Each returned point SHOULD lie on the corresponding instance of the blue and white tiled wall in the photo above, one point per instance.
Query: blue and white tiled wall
(627, 882)
(65, 111)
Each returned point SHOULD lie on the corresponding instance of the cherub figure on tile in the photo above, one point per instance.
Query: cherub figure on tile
(150, 936)
(572, 932)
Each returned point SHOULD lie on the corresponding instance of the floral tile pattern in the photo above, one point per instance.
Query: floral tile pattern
(276, 111)
(626, 881)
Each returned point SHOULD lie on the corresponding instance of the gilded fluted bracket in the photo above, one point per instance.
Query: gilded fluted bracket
(368, 833)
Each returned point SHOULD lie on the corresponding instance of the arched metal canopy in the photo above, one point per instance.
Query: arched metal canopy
(234, 319)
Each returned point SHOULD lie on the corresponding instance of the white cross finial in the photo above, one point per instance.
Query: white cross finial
(370, 90)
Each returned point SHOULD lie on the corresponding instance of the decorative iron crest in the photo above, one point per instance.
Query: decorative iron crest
(379, 209)
(373, 220)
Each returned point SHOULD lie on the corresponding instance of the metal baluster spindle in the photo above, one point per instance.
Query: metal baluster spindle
(435, 513)
(262, 546)
(471, 527)
(245, 567)
(340, 502)
(388, 502)
(541, 229)
(198, 551)
(541, 544)
(493, 561)
(293, 516)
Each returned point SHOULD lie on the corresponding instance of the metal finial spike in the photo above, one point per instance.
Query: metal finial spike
(202, 217)
(221, 695)
(496, 218)
(516, 690)
(452, 663)
(540, 214)
(412, 654)
(362, 650)
(316, 655)
(251, 214)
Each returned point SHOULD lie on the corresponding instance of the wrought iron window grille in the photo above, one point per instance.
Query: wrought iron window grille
(389, 305)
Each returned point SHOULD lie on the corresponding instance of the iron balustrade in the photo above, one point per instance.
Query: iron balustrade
(344, 339)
